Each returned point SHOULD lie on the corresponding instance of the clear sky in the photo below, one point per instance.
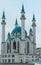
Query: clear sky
(12, 10)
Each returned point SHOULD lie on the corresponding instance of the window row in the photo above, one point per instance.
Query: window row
(7, 55)
(8, 61)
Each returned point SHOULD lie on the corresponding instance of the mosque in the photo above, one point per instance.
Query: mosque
(19, 47)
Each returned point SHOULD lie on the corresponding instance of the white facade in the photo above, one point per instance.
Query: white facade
(19, 47)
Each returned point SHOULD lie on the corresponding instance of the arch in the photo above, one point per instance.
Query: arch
(21, 61)
(14, 44)
(27, 47)
(18, 46)
(7, 47)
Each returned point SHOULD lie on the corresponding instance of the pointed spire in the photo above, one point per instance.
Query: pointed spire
(30, 32)
(30, 29)
(33, 18)
(16, 23)
(3, 16)
(22, 11)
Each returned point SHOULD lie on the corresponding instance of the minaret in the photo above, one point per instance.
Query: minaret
(3, 32)
(34, 32)
(16, 23)
(23, 22)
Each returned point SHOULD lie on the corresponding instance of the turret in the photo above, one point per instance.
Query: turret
(3, 31)
(23, 22)
(34, 33)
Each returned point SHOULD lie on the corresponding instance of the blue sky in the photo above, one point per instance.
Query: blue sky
(12, 10)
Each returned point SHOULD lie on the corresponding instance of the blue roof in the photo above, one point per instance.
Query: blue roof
(22, 9)
(33, 17)
(30, 29)
(10, 39)
(8, 35)
(17, 30)
(3, 17)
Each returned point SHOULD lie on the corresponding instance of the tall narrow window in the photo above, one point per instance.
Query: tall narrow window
(14, 44)
(12, 60)
(3, 61)
(18, 46)
(10, 46)
(27, 47)
(8, 60)
(7, 47)
(21, 60)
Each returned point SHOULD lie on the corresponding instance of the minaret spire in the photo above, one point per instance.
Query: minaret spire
(3, 26)
(3, 33)
(33, 21)
(23, 18)
(3, 16)
(23, 22)
(22, 11)
(33, 18)
(34, 32)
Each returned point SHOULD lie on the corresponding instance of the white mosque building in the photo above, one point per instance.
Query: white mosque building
(19, 47)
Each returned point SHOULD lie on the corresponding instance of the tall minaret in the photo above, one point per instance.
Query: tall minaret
(34, 32)
(22, 22)
(3, 32)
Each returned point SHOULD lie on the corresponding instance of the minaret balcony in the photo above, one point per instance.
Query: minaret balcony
(23, 17)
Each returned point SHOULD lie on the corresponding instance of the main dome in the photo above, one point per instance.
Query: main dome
(17, 30)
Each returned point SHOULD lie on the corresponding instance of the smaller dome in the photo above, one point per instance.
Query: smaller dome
(30, 29)
(8, 35)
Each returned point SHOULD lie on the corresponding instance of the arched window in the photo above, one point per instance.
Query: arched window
(27, 47)
(18, 46)
(14, 44)
(21, 60)
(7, 47)
(9, 60)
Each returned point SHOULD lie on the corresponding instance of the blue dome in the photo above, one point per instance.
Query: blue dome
(8, 35)
(30, 29)
(17, 30)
